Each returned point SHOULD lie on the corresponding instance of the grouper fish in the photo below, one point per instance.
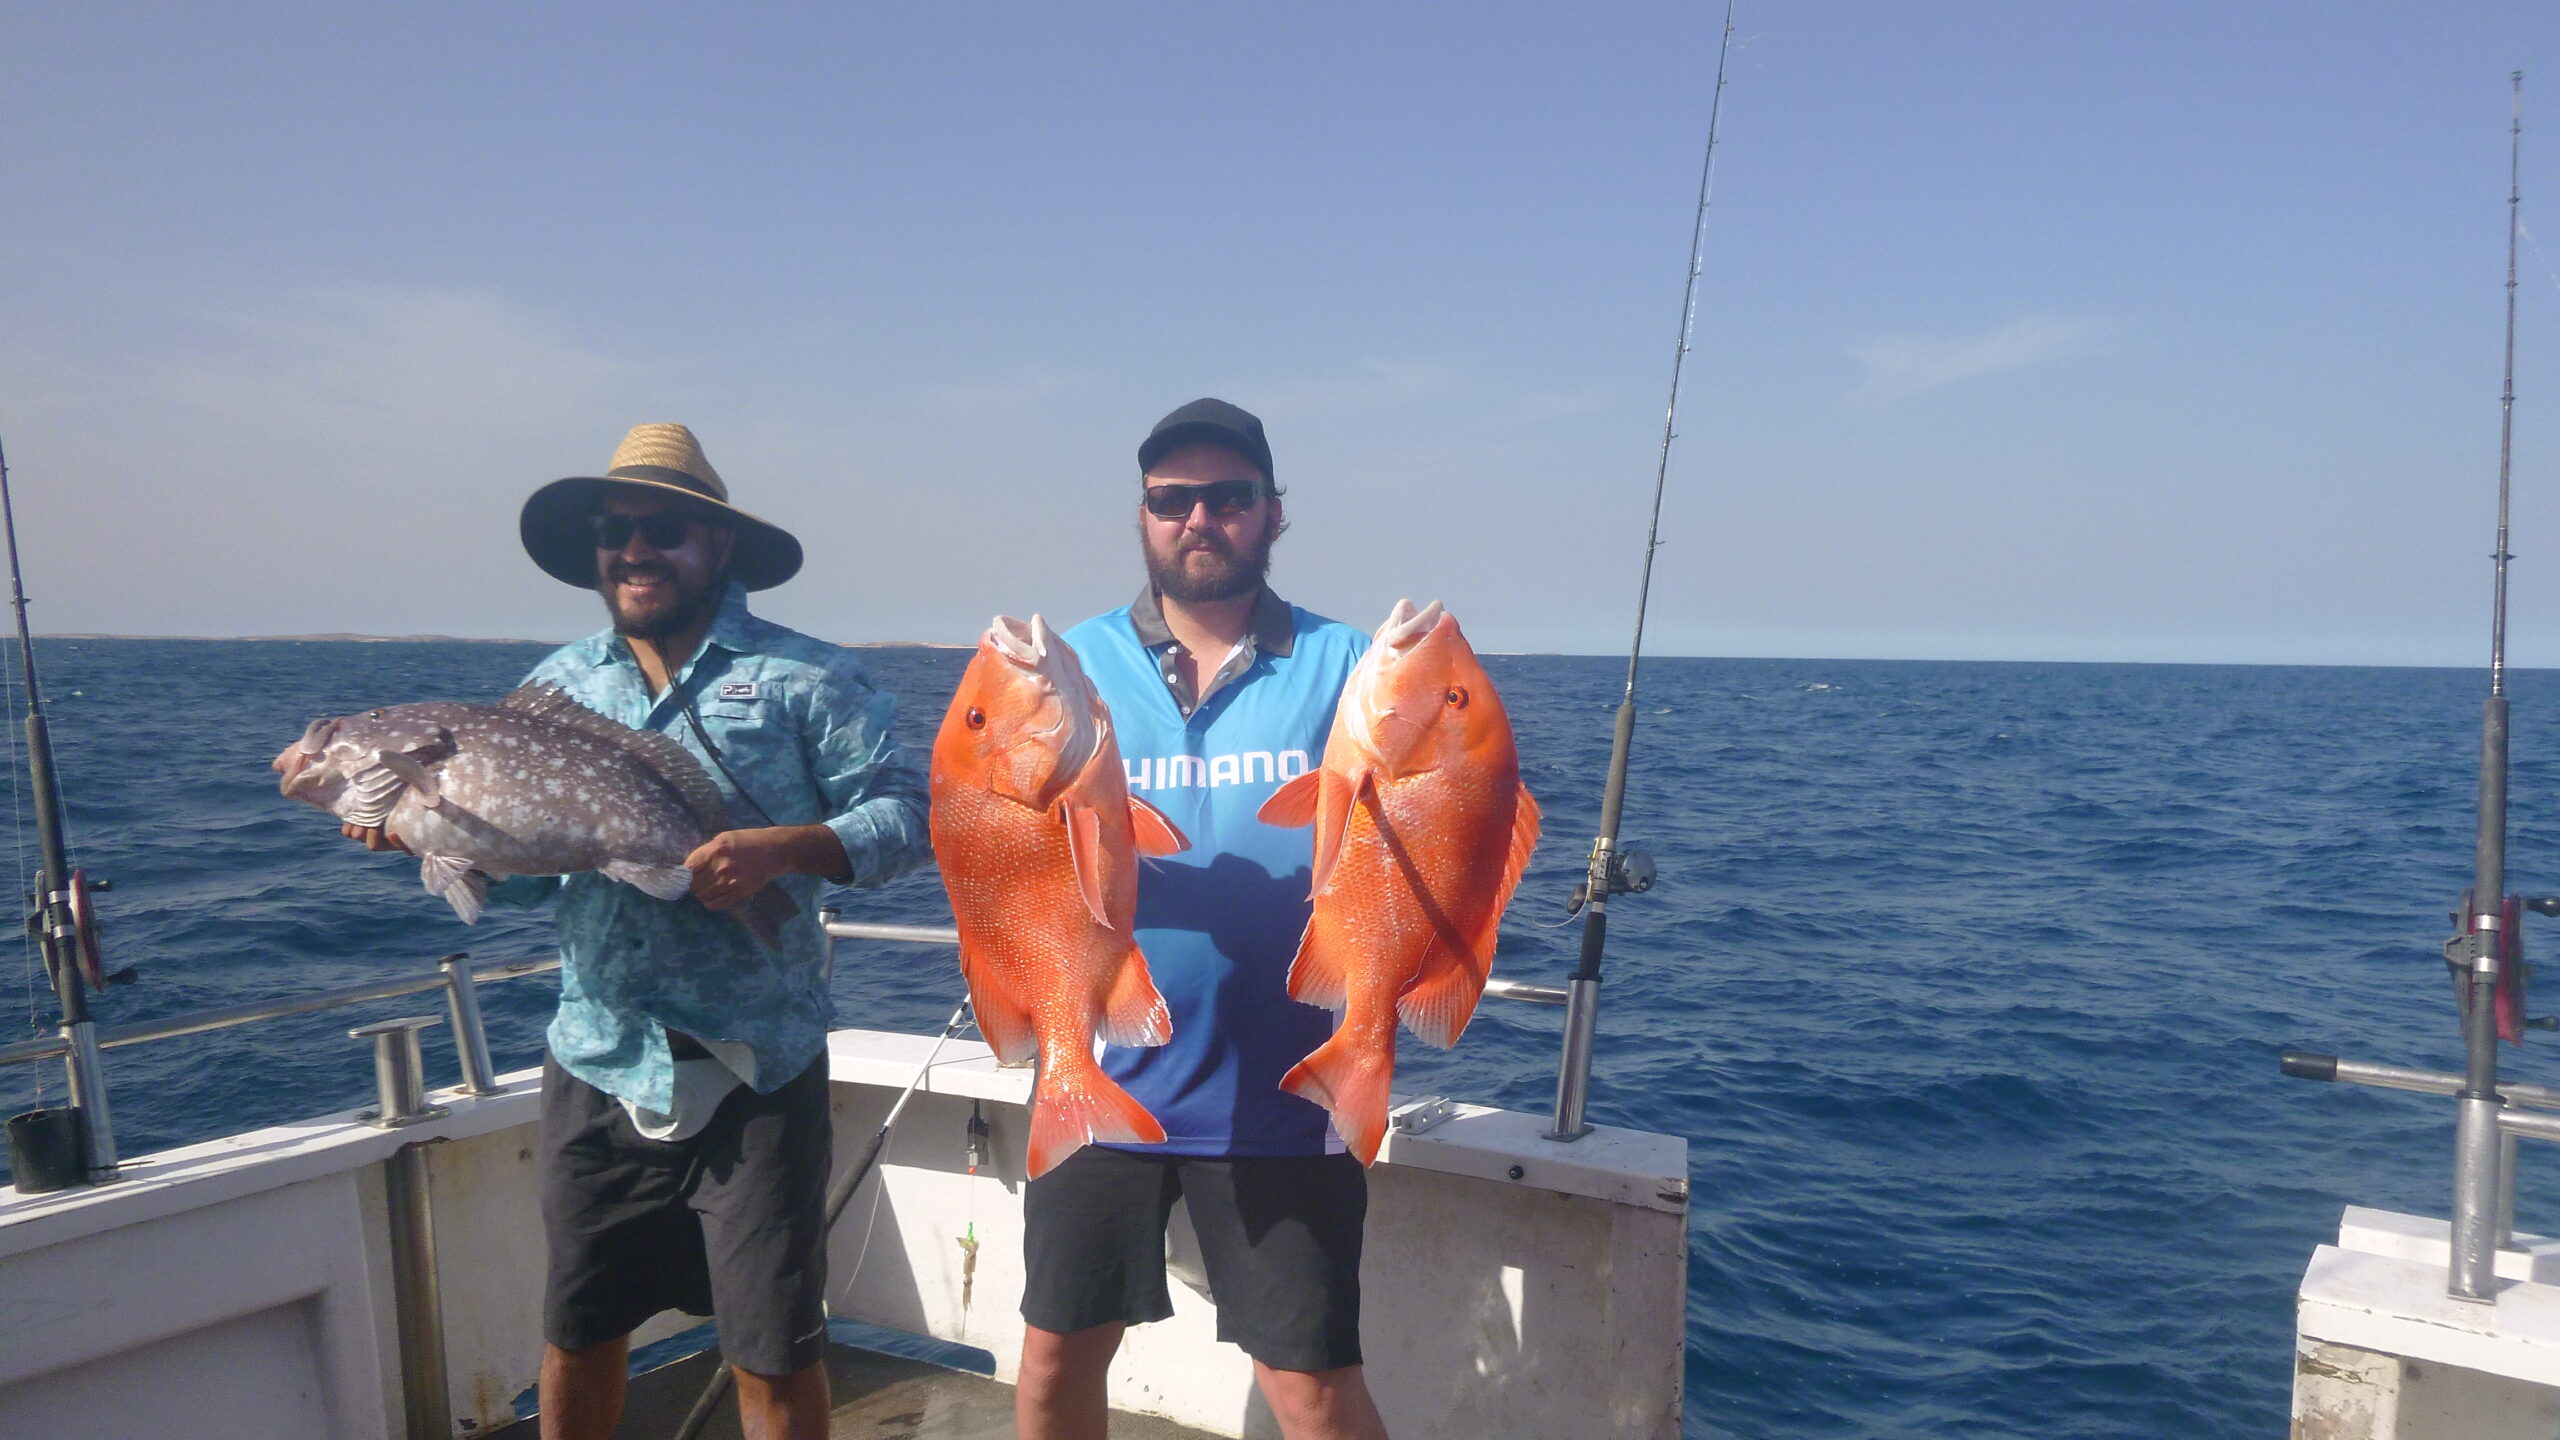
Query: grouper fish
(534, 785)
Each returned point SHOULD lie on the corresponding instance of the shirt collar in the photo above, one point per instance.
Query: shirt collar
(729, 627)
(1274, 630)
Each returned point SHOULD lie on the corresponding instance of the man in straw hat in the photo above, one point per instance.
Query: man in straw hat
(1219, 690)
(685, 1133)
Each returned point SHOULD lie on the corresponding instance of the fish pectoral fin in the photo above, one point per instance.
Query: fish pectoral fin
(1333, 821)
(1525, 820)
(663, 882)
(452, 877)
(411, 774)
(765, 915)
(1156, 834)
(1135, 1014)
(1084, 847)
(1293, 804)
(1317, 977)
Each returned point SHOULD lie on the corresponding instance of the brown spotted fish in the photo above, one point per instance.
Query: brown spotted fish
(534, 785)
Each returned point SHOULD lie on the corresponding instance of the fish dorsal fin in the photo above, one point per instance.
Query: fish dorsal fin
(661, 755)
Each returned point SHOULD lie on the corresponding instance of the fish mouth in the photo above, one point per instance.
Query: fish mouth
(1060, 720)
(297, 757)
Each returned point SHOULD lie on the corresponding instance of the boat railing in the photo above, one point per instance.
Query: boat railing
(2513, 1123)
(459, 981)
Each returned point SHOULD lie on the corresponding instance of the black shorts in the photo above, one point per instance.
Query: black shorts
(1279, 1236)
(730, 1221)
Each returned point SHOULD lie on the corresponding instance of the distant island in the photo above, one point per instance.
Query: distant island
(460, 640)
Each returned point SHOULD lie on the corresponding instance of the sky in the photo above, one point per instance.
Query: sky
(2092, 331)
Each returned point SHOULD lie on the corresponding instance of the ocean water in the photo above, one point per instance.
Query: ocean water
(1964, 981)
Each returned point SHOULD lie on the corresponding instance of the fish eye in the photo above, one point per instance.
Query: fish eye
(373, 714)
(976, 717)
(1457, 697)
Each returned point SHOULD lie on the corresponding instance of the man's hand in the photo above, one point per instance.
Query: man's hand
(374, 837)
(730, 867)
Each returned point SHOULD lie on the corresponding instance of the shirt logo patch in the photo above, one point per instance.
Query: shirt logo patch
(738, 690)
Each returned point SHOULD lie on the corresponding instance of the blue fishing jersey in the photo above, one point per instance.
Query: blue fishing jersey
(1220, 922)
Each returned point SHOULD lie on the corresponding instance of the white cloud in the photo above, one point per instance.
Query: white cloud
(1898, 366)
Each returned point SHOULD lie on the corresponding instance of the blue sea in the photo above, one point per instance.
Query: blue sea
(1965, 983)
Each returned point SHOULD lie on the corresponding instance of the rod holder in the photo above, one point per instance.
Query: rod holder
(470, 1037)
(399, 1072)
(1573, 1074)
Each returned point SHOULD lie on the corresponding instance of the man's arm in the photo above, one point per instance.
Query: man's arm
(875, 828)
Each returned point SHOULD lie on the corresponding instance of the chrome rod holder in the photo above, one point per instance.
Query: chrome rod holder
(470, 1036)
(399, 1072)
(1573, 1074)
(89, 1099)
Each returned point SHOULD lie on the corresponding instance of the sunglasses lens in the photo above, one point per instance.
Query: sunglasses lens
(1224, 497)
(661, 532)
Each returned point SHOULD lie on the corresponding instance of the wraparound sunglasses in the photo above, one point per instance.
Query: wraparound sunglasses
(1225, 497)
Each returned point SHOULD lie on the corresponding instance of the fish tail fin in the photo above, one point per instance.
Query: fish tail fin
(1350, 1080)
(1443, 998)
(765, 914)
(1074, 1102)
(1136, 1014)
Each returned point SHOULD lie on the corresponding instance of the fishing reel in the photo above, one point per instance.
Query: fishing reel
(77, 930)
(2513, 971)
(1631, 872)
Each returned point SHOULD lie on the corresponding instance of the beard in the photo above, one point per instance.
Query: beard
(1204, 569)
(690, 598)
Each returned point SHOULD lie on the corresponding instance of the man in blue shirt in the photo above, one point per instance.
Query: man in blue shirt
(684, 1115)
(1219, 691)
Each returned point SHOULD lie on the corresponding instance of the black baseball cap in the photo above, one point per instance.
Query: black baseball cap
(1212, 421)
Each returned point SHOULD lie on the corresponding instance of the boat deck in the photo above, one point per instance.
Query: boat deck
(878, 1397)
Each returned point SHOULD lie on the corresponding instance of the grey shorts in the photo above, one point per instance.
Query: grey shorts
(729, 1222)
(1279, 1236)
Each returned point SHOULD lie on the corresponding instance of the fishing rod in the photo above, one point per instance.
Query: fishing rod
(61, 920)
(838, 1196)
(1612, 871)
(2489, 942)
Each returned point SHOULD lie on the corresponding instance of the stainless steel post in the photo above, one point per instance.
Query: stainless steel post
(89, 1097)
(400, 1089)
(399, 1072)
(1573, 1075)
(470, 1038)
(2506, 1188)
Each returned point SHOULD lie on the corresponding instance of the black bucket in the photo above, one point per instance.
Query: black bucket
(44, 1150)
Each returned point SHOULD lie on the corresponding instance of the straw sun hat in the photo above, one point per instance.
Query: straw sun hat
(668, 460)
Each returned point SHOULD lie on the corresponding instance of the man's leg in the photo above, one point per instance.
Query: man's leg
(1060, 1394)
(784, 1407)
(1320, 1404)
(1092, 1266)
(582, 1389)
(1280, 1236)
(761, 1193)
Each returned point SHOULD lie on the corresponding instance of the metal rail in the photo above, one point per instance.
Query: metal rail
(448, 979)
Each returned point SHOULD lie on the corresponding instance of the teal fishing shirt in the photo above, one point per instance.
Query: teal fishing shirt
(800, 725)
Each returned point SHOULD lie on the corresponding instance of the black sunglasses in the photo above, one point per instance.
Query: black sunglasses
(665, 530)
(1225, 497)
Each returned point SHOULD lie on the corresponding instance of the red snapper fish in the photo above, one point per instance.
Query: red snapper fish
(1422, 830)
(1038, 840)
